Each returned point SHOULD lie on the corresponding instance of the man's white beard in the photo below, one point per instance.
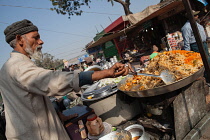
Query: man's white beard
(37, 54)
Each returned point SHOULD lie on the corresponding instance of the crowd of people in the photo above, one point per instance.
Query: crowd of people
(71, 67)
(87, 62)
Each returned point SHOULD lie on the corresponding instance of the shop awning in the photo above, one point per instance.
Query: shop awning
(135, 18)
(110, 37)
(164, 7)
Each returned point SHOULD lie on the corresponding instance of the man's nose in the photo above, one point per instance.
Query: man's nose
(40, 42)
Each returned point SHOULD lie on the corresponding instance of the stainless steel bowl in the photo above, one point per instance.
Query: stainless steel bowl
(98, 93)
(117, 135)
(137, 131)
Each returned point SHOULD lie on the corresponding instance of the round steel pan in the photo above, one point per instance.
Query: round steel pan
(98, 93)
(162, 89)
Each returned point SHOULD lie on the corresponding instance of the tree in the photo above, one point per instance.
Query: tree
(125, 4)
(48, 62)
(72, 7)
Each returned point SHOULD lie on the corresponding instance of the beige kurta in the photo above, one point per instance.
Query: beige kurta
(25, 89)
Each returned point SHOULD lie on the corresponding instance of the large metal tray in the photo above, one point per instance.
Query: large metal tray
(98, 93)
(162, 89)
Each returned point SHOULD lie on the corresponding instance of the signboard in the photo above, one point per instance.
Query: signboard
(81, 59)
(204, 2)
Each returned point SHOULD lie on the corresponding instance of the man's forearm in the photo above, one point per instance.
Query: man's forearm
(97, 75)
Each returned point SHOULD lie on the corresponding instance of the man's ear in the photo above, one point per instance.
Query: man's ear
(19, 39)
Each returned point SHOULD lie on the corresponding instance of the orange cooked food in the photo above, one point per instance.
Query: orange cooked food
(181, 63)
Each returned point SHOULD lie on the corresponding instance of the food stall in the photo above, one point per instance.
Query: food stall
(167, 109)
(175, 111)
(173, 105)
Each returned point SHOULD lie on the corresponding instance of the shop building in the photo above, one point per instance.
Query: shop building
(158, 25)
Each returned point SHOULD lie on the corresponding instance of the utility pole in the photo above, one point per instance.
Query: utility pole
(110, 19)
(102, 27)
(96, 29)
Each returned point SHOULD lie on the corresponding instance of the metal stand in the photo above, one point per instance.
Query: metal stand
(189, 108)
(180, 110)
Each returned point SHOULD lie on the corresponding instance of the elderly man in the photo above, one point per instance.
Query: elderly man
(25, 87)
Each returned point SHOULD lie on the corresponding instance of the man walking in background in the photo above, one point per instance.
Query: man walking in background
(189, 38)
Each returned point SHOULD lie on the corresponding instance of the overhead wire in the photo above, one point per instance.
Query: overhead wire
(67, 33)
(72, 49)
(63, 46)
(57, 47)
(65, 52)
(46, 29)
(4, 22)
(69, 54)
(51, 10)
(57, 31)
(52, 30)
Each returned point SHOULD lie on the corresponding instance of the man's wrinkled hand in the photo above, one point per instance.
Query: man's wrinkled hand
(120, 69)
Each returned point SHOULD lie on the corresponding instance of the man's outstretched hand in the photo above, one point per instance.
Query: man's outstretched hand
(118, 69)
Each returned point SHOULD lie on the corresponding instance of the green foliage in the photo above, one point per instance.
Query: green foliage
(70, 7)
(48, 62)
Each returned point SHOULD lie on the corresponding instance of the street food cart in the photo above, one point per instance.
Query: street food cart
(174, 106)
(167, 109)
(178, 109)
(110, 104)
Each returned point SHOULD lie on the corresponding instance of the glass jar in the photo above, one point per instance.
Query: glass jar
(93, 125)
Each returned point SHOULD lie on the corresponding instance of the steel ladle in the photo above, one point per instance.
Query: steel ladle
(165, 75)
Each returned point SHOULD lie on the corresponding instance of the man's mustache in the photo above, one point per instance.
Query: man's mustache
(39, 48)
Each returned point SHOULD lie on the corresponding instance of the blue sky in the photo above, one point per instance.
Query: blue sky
(63, 38)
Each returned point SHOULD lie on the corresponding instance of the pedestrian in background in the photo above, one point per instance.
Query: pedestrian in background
(190, 43)
(189, 38)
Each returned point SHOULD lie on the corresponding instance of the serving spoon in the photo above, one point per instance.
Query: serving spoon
(165, 75)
